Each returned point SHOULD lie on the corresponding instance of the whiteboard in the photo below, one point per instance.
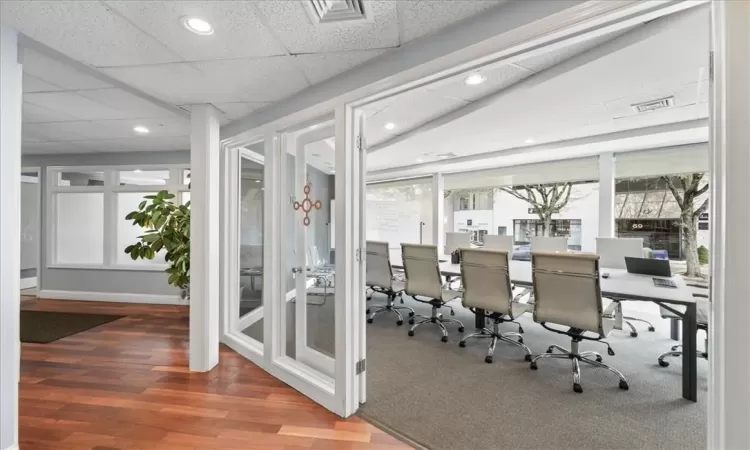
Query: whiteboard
(393, 222)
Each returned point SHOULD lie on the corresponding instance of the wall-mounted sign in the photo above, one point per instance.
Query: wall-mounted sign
(532, 210)
(468, 222)
(703, 225)
(703, 216)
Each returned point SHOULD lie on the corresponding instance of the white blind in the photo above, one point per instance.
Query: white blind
(663, 161)
(579, 169)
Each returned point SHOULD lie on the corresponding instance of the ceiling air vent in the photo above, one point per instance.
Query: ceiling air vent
(653, 105)
(327, 11)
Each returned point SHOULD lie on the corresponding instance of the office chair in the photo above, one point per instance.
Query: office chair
(549, 244)
(454, 241)
(423, 280)
(379, 277)
(495, 242)
(612, 253)
(701, 315)
(567, 292)
(486, 282)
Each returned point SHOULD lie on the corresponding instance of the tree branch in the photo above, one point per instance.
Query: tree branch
(702, 190)
(675, 192)
(702, 209)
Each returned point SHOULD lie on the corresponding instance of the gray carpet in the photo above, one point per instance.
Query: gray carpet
(447, 397)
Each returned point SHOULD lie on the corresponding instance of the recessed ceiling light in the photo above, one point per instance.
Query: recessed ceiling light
(137, 171)
(474, 79)
(257, 181)
(197, 26)
(528, 141)
(390, 126)
(140, 129)
(312, 127)
(420, 160)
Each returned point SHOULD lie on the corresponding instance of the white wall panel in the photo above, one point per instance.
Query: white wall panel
(674, 160)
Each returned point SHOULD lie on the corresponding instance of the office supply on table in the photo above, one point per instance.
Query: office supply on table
(486, 282)
(567, 293)
(661, 282)
(646, 266)
(425, 285)
(379, 277)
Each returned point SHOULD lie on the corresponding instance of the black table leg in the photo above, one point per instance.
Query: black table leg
(674, 329)
(689, 354)
(479, 318)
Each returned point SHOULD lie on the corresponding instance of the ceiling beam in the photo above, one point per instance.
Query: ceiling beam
(27, 42)
(620, 42)
(559, 147)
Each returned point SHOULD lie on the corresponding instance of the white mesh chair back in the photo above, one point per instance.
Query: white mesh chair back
(486, 280)
(549, 244)
(567, 290)
(422, 270)
(495, 242)
(251, 256)
(454, 241)
(612, 251)
(378, 270)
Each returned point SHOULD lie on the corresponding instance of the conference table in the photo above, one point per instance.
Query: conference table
(621, 285)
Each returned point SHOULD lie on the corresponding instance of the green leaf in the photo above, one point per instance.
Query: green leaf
(134, 255)
(142, 205)
(151, 237)
(129, 248)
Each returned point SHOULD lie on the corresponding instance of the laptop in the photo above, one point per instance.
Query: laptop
(648, 266)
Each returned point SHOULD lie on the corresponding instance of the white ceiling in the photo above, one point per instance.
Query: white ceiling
(261, 52)
(584, 90)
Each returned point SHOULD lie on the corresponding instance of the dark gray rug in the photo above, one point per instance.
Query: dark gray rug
(42, 327)
(446, 397)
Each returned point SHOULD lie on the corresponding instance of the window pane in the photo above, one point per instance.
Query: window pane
(79, 179)
(79, 228)
(185, 197)
(143, 177)
(127, 233)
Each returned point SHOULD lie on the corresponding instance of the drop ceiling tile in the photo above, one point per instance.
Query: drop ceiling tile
(233, 80)
(47, 148)
(498, 78)
(108, 129)
(139, 143)
(33, 84)
(72, 104)
(423, 17)
(238, 31)
(293, 26)
(321, 66)
(57, 73)
(32, 113)
(86, 31)
(237, 110)
(127, 104)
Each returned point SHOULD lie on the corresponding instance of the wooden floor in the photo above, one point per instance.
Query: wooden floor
(125, 385)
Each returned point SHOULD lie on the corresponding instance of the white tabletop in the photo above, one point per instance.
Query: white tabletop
(619, 283)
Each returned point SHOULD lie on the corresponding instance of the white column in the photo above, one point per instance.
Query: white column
(729, 333)
(10, 235)
(204, 238)
(607, 195)
(438, 211)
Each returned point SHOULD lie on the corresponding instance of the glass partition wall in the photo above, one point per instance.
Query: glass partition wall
(400, 212)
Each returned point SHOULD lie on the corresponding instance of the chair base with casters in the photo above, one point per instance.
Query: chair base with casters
(578, 357)
(436, 318)
(495, 335)
(615, 311)
(390, 307)
(675, 351)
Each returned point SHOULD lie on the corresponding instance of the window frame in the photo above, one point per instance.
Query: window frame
(110, 190)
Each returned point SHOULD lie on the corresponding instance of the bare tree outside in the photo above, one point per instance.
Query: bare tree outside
(686, 189)
(545, 199)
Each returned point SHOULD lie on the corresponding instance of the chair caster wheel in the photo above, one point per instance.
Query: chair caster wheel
(610, 352)
(399, 322)
(520, 340)
(549, 350)
(651, 329)
(411, 314)
(598, 359)
(460, 329)
(462, 344)
(411, 321)
(633, 334)
(369, 320)
(520, 330)
(663, 363)
(533, 366)
(368, 311)
(675, 347)
(577, 388)
(488, 359)
(527, 358)
(624, 385)
(453, 313)
(444, 338)
(411, 333)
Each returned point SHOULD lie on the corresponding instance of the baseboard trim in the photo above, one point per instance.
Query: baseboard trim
(112, 297)
(12, 447)
(27, 283)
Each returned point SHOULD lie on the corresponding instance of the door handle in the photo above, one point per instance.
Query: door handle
(296, 269)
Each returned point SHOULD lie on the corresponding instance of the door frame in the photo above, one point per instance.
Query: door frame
(38, 277)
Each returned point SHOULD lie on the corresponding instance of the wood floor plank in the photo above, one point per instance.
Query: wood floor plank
(126, 385)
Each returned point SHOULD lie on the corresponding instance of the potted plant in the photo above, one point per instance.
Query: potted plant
(167, 228)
